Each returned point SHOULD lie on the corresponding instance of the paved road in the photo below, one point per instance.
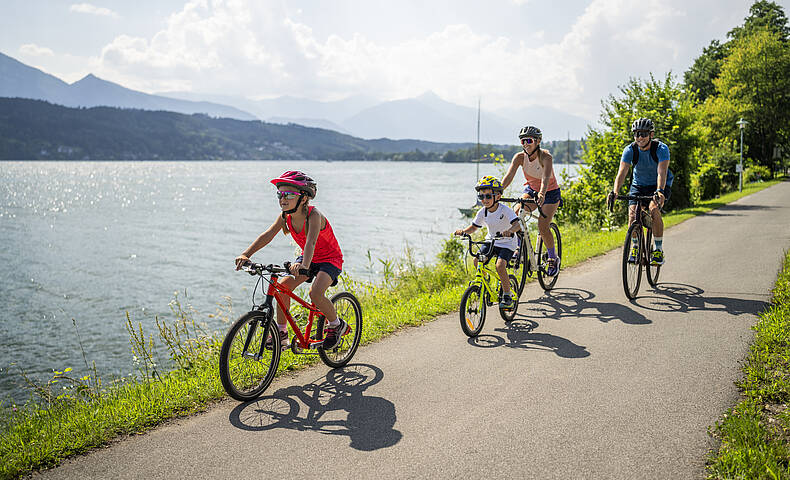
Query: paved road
(583, 384)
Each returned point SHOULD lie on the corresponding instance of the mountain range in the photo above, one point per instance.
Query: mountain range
(426, 117)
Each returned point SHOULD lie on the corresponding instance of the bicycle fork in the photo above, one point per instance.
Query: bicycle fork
(533, 264)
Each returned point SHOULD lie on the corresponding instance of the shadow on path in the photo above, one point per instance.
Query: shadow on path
(577, 303)
(369, 422)
(519, 334)
(680, 297)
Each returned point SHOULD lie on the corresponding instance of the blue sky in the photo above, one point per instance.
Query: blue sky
(511, 53)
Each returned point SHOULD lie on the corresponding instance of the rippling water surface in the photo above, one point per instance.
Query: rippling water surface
(87, 242)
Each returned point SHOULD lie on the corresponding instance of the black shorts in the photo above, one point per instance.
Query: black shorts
(647, 191)
(500, 252)
(325, 267)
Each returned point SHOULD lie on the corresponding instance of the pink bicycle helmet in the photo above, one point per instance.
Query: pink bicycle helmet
(298, 180)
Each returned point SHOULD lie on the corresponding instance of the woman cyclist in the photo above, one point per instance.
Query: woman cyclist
(541, 185)
(321, 253)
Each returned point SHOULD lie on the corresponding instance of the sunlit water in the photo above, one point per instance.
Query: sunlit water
(87, 242)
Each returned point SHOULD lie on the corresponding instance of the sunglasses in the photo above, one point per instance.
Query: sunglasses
(528, 141)
(485, 196)
(641, 134)
(287, 195)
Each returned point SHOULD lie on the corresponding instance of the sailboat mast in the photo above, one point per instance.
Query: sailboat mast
(477, 157)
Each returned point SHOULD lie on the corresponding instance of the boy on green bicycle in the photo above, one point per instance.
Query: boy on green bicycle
(500, 220)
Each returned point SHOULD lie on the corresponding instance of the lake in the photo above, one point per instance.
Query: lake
(87, 242)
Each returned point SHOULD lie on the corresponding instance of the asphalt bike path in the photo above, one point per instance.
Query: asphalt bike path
(582, 384)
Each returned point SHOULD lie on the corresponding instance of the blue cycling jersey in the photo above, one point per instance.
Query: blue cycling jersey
(646, 170)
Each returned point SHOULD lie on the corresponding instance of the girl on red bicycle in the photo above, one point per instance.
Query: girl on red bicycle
(321, 253)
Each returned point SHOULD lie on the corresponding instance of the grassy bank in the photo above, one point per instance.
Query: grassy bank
(755, 434)
(89, 413)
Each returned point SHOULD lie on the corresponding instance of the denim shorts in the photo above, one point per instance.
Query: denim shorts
(647, 191)
(552, 196)
(325, 267)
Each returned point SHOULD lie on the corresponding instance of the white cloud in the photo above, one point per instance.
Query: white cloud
(33, 50)
(254, 48)
(93, 10)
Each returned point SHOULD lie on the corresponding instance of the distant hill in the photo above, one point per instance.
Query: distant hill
(23, 81)
(38, 130)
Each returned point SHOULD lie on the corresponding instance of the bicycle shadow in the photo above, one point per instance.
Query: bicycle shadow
(684, 298)
(519, 333)
(369, 422)
(562, 303)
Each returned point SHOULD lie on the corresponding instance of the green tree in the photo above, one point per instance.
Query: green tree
(699, 78)
(754, 83)
(672, 110)
(763, 15)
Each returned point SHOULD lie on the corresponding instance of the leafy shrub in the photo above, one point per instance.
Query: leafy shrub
(706, 183)
(756, 173)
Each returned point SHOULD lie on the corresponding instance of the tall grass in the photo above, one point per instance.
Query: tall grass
(90, 411)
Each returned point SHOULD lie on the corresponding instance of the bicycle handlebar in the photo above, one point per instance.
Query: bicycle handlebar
(480, 244)
(259, 269)
(524, 201)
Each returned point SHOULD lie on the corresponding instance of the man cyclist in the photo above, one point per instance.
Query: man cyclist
(650, 159)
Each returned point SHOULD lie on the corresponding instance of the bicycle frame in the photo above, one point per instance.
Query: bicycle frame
(275, 288)
(524, 216)
(483, 271)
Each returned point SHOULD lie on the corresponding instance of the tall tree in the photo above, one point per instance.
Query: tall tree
(706, 67)
(754, 83)
(763, 15)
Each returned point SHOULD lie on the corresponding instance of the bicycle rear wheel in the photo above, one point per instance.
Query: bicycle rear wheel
(520, 264)
(632, 271)
(546, 281)
(348, 308)
(246, 368)
(651, 271)
(509, 315)
(473, 310)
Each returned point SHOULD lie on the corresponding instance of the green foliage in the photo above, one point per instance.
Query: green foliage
(706, 183)
(672, 110)
(763, 15)
(699, 78)
(756, 173)
(754, 84)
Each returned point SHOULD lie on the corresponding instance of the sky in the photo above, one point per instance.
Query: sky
(512, 54)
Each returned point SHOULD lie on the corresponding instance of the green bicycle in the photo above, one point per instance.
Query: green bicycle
(481, 291)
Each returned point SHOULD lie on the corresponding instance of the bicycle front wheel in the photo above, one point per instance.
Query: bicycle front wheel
(348, 308)
(246, 367)
(632, 264)
(473, 310)
(651, 270)
(548, 281)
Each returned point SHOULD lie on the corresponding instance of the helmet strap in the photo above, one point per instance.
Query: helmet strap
(288, 212)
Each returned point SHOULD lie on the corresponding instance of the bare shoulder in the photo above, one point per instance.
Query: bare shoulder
(547, 155)
(518, 157)
(317, 218)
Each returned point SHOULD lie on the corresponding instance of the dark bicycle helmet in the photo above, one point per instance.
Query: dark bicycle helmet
(530, 131)
(643, 124)
(298, 180)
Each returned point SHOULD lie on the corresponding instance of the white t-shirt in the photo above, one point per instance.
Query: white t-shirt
(497, 222)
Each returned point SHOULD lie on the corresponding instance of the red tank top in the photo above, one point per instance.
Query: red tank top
(326, 246)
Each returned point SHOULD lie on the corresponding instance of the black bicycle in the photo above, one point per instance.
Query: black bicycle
(637, 255)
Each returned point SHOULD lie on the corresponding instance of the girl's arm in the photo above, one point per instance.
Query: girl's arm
(260, 242)
(511, 171)
(314, 222)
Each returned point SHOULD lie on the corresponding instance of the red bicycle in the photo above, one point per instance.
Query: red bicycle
(248, 363)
